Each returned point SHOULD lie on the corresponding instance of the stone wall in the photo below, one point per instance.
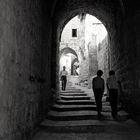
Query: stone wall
(136, 65)
(21, 68)
(73, 42)
(65, 10)
(102, 57)
(93, 62)
(129, 64)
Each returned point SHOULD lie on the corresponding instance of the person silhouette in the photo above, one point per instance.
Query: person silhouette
(98, 89)
(63, 75)
(113, 86)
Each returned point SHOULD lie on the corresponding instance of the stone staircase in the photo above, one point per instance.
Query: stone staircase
(76, 112)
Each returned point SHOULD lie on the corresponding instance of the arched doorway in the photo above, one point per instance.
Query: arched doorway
(104, 11)
(85, 37)
(67, 56)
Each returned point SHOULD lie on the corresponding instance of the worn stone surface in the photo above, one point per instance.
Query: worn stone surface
(92, 53)
(102, 57)
(21, 45)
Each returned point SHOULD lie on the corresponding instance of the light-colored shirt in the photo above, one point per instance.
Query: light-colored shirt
(63, 73)
(112, 82)
(98, 83)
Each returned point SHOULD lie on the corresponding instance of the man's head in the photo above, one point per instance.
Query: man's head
(111, 72)
(64, 67)
(99, 72)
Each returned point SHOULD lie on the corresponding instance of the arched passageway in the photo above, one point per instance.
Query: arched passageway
(87, 36)
(111, 14)
(107, 19)
(30, 34)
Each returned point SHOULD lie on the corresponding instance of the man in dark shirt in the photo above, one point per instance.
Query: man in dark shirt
(98, 89)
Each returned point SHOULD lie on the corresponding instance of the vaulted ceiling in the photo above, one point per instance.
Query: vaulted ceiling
(128, 6)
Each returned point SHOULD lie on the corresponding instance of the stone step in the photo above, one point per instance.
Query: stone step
(73, 94)
(86, 117)
(87, 125)
(73, 108)
(80, 115)
(76, 112)
(61, 108)
(72, 91)
(75, 102)
(73, 88)
(76, 117)
(75, 98)
(86, 122)
(72, 113)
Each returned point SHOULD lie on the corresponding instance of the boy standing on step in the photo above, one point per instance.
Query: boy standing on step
(98, 89)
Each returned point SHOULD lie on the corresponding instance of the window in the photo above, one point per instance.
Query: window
(74, 32)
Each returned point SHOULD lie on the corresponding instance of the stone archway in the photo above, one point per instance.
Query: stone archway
(120, 30)
(104, 11)
(65, 51)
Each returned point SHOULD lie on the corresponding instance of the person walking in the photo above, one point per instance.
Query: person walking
(112, 86)
(63, 75)
(98, 89)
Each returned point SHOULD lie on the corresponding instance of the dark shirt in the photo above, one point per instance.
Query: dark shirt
(98, 83)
